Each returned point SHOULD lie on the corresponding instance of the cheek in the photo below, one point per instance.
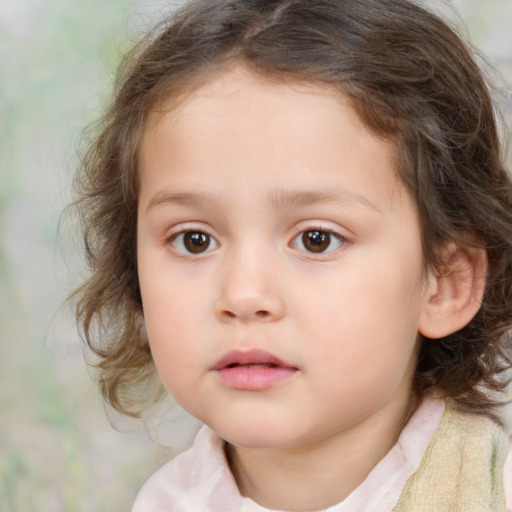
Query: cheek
(166, 299)
(169, 325)
(175, 359)
(370, 298)
(366, 322)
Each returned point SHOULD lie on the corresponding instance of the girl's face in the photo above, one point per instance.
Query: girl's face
(280, 263)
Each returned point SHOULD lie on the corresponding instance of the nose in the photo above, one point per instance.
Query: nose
(250, 291)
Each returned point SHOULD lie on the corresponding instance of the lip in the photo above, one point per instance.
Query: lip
(253, 370)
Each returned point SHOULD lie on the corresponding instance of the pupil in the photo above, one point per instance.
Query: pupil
(316, 241)
(196, 242)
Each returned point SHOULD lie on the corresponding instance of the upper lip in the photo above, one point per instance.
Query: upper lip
(255, 356)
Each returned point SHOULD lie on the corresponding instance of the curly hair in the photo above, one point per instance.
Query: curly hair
(409, 77)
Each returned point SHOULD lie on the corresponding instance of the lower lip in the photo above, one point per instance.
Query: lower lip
(254, 378)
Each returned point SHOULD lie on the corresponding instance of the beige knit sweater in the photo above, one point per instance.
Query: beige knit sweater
(462, 470)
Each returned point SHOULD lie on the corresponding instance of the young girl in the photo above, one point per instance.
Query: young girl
(297, 215)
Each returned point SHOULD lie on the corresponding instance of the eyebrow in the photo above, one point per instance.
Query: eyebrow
(181, 198)
(283, 198)
(279, 199)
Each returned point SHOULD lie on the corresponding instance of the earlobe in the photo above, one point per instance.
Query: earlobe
(454, 291)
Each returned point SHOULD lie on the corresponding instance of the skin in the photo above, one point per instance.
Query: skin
(253, 165)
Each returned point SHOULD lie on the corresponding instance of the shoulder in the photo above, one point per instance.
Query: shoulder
(186, 482)
(474, 432)
(485, 448)
(465, 464)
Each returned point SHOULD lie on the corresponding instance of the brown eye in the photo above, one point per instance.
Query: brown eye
(196, 241)
(317, 241)
(193, 242)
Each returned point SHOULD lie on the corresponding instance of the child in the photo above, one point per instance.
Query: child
(297, 215)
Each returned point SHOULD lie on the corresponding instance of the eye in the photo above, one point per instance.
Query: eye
(317, 241)
(193, 242)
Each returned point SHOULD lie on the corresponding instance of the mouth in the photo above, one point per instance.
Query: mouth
(255, 370)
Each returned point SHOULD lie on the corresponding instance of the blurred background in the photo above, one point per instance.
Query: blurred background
(58, 452)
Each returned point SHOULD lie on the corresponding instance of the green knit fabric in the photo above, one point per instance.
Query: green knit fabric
(462, 469)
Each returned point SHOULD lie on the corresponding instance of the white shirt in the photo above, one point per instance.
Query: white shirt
(200, 479)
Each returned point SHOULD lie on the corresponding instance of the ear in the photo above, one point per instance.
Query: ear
(454, 292)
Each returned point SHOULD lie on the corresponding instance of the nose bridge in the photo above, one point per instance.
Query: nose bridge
(250, 285)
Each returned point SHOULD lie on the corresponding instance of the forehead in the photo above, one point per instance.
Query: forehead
(286, 132)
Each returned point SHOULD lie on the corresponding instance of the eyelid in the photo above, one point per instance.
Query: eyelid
(182, 227)
(322, 225)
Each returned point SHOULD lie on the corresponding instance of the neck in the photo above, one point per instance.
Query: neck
(319, 475)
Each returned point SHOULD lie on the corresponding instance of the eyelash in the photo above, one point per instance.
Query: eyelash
(324, 236)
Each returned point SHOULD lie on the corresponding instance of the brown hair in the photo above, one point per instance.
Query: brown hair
(410, 78)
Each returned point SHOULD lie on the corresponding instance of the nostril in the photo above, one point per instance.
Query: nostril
(261, 314)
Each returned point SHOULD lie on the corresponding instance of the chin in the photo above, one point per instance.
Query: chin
(258, 442)
(256, 434)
